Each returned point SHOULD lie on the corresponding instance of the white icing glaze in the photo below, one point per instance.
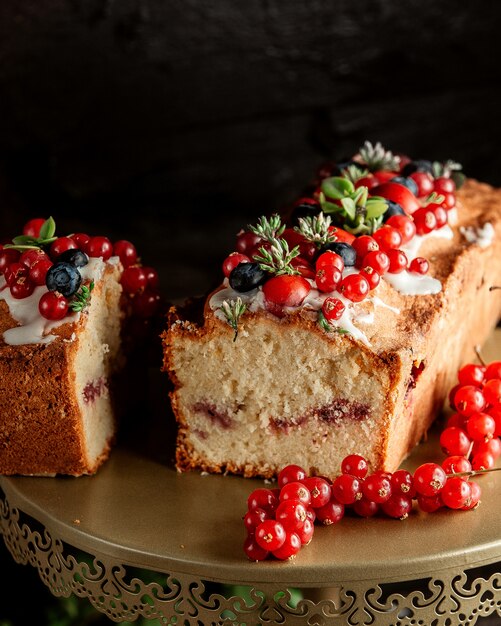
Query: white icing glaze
(33, 327)
(411, 248)
(482, 236)
(411, 284)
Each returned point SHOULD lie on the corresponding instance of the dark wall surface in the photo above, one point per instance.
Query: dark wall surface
(173, 123)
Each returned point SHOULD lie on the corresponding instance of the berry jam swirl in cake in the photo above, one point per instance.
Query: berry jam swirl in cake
(364, 222)
(47, 280)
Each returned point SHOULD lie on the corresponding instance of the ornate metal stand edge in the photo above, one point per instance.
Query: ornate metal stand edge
(173, 598)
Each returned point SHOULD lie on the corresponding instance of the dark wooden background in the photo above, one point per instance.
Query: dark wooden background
(173, 123)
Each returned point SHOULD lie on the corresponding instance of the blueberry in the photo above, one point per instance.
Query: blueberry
(247, 276)
(63, 277)
(305, 209)
(406, 182)
(393, 209)
(74, 257)
(420, 165)
(345, 251)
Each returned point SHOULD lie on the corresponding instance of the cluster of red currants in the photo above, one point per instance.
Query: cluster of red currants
(472, 435)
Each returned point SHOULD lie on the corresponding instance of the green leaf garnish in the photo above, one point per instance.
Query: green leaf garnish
(81, 299)
(268, 228)
(337, 187)
(48, 229)
(376, 158)
(354, 172)
(278, 259)
(25, 242)
(324, 323)
(435, 198)
(233, 310)
(375, 207)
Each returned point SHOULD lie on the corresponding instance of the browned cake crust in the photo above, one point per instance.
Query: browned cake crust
(411, 364)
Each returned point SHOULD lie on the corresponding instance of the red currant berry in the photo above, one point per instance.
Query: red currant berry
(492, 391)
(480, 426)
(126, 252)
(231, 261)
(328, 278)
(151, 277)
(286, 290)
(21, 287)
(262, 499)
(456, 464)
(253, 518)
(319, 489)
(354, 287)
(471, 374)
(424, 183)
(38, 271)
(30, 257)
(32, 227)
(491, 446)
(14, 271)
(291, 473)
(493, 370)
(61, 245)
(333, 309)
(454, 441)
(99, 247)
(355, 464)
(476, 494)
(367, 181)
(404, 225)
(363, 245)
(7, 257)
(270, 535)
(388, 237)
(329, 259)
(371, 276)
(440, 214)
(133, 280)
(443, 184)
(330, 513)
(429, 479)
(347, 489)
(146, 304)
(398, 261)
(290, 547)
(429, 504)
(398, 506)
(295, 491)
(402, 482)
(457, 420)
(306, 532)
(419, 265)
(365, 507)
(247, 241)
(53, 306)
(424, 220)
(469, 400)
(495, 413)
(449, 201)
(253, 550)
(378, 260)
(456, 493)
(377, 488)
(81, 239)
(291, 514)
(452, 395)
(482, 461)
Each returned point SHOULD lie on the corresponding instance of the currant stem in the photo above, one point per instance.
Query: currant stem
(474, 472)
(479, 356)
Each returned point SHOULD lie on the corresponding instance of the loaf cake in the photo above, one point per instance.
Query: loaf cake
(63, 306)
(342, 333)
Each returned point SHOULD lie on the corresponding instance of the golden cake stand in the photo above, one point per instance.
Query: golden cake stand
(139, 539)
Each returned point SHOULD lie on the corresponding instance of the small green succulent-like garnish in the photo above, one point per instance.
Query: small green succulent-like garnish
(354, 210)
(81, 299)
(324, 323)
(277, 260)
(233, 311)
(25, 242)
(268, 228)
(354, 172)
(450, 169)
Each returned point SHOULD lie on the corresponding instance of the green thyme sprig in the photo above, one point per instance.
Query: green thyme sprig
(81, 299)
(233, 311)
(377, 158)
(324, 323)
(25, 242)
(268, 228)
(316, 229)
(354, 210)
(277, 260)
(434, 198)
(450, 169)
